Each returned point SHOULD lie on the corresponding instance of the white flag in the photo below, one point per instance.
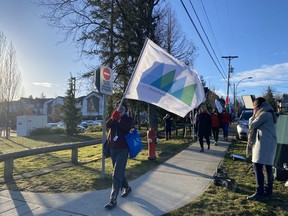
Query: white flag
(218, 106)
(164, 81)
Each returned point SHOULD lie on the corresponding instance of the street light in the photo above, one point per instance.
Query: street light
(235, 88)
(240, 91)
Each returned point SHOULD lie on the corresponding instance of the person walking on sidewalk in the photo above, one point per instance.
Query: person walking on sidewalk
(262, 143)
(225, 122)
(203, 123)
(216, 124)
(168, 124)
(120, 125)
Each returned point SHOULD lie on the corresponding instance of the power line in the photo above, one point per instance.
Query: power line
(207, 37)
(202, 39)
(211, 29)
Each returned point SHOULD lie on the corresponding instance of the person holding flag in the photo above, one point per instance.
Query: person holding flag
(159, 79)
(120, 125)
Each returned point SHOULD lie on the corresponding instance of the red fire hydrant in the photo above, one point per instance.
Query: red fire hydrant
(152, 141)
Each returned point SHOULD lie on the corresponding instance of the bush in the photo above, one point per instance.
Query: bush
(47, 131)
(95, 128)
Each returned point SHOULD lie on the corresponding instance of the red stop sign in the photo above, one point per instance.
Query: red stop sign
(106, 74)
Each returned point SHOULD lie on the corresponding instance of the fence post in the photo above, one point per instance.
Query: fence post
(74, 156)
(8, 169)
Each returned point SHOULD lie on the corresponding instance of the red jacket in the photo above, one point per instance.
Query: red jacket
(225, 118)
(215, 120)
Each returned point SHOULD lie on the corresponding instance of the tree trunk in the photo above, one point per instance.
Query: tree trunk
(152, 115)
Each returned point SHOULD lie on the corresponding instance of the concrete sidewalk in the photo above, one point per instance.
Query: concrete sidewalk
(163, 189)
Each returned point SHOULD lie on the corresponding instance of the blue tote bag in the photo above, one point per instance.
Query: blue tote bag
(134, 142)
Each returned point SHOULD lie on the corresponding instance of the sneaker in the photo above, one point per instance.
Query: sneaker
(112, 204)
(202, 149)
(126, 191)
(255, 197)
(208, 147)
(215, 143)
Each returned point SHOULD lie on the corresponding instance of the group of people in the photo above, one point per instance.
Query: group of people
(206, 123)
(261, 145)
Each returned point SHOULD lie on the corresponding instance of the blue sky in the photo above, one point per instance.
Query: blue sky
(254, 30)
(44, 61)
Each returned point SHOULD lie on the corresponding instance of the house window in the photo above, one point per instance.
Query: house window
(93, 104)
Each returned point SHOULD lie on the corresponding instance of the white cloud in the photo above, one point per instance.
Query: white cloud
(44, 84)
(267, 75)
(275, 76)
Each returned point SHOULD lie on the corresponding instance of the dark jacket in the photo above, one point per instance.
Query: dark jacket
(204, 124)
(121, 129)
(168, 122)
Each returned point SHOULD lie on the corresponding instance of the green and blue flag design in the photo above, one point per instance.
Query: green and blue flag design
(164, 81)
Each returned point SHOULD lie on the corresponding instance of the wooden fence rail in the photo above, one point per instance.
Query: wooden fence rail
(8, 158)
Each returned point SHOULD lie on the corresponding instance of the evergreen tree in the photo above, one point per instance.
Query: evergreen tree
(284, 96)
(71, 114)
(269, 97)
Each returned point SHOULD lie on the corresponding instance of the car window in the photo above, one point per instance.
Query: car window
(246, 115)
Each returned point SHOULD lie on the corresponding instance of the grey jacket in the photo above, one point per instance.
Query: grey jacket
(262, 135)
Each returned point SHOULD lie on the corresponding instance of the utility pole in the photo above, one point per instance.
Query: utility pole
(229, 71)
(73, 81)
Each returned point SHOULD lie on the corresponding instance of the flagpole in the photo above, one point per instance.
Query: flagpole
(136, 66)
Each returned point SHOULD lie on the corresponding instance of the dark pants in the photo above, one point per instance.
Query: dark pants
(119, 160)
(225, 129)
(259, 175)
(168, 132)
(215, 132)
(207, 137)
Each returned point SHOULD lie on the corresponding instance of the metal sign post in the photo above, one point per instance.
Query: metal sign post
(104, 83)
(103, 135)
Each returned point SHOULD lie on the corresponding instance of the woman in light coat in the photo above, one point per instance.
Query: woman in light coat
(262, 142)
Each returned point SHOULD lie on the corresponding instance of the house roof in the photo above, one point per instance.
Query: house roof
(34, 101)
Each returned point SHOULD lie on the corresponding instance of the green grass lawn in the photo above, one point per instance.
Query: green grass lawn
(218, 200)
